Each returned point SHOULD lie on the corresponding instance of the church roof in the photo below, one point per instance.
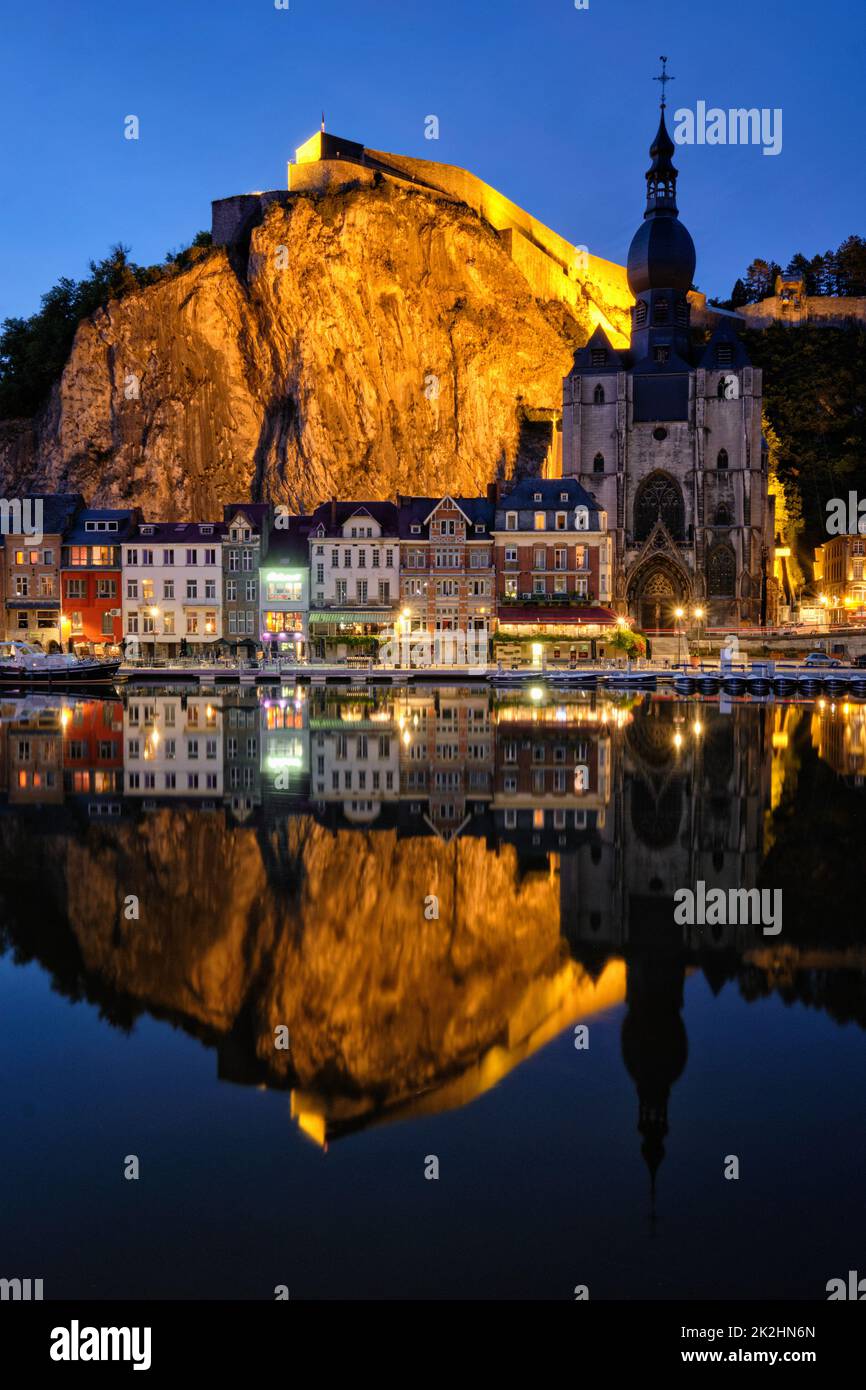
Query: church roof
(724, 349)
(588, 358)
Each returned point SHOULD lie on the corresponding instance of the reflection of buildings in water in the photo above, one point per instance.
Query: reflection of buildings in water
(173, 747)
(689, 795)
(617, 804)
(839, 736)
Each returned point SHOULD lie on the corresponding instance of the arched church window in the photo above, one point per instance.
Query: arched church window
(661, 313)
(722, 515)
(598, 395)
(640, 313)
(598, 463)
(722, 459)
(721, 572)
(659, 499)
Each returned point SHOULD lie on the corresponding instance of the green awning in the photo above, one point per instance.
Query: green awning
(353, 615)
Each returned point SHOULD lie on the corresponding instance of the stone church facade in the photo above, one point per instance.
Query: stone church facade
(667, 435)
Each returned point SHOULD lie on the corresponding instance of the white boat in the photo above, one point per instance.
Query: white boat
(21, 663)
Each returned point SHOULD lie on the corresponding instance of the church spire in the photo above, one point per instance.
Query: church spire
(661, 176)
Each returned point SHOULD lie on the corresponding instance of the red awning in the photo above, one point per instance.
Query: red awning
(535, 613)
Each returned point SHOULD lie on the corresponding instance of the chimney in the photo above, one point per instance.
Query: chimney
(494, 492)
(333, 511)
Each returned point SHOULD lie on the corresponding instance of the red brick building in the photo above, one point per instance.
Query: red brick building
(447, 578)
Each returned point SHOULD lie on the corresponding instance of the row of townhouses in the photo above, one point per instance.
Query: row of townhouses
(517, 569)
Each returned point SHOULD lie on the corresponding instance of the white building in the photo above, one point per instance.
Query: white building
(354, 574)
(172, 588)
(172, 748)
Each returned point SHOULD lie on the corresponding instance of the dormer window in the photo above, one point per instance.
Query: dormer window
(480, 527)
(511, 521)
(148, 530)
(540, 521)
(207, 530)
(415, 530)
(598, 357)
(598, 395)
(536, 496)
(563, 497)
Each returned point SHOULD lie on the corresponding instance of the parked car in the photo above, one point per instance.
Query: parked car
(821, 659)
(859, 662)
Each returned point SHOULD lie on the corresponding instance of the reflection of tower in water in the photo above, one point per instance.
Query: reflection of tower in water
(690, 787)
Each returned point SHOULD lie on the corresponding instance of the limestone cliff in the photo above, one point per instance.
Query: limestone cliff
(377, 338)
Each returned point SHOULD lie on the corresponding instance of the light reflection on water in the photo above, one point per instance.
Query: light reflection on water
(281, 846)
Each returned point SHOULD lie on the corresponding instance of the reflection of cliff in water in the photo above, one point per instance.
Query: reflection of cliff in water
(292, 917)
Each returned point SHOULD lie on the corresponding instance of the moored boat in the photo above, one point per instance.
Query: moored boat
(22, 663)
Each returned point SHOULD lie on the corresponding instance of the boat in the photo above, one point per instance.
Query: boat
(22, 663)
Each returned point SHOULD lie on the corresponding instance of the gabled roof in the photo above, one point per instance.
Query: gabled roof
(418, 511)
(583, 358)
(256, 513)
(724, 335)
(384, 512)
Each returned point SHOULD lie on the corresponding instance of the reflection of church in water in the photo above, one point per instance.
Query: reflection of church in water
(583, 814)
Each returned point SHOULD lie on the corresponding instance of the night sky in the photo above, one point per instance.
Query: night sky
(554, 106)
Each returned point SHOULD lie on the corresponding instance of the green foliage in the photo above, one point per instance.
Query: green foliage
(815, 403)
(840, 272)
(33, 351)
(624, 640)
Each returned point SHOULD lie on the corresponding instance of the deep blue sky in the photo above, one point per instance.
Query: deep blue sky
(554, 106)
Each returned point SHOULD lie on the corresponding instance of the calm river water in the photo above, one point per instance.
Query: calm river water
(291, 954)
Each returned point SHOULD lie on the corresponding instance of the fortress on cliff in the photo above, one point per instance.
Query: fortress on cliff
(553, 267)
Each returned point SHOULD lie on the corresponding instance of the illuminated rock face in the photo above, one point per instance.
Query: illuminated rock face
(378, 338)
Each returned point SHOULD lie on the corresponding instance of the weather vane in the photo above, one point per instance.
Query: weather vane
(664, 79)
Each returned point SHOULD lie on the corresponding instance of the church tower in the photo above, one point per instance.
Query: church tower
(667, 435)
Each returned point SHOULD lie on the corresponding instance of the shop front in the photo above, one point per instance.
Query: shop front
(542, 636)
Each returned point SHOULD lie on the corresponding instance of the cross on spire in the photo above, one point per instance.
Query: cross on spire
(664, 79)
